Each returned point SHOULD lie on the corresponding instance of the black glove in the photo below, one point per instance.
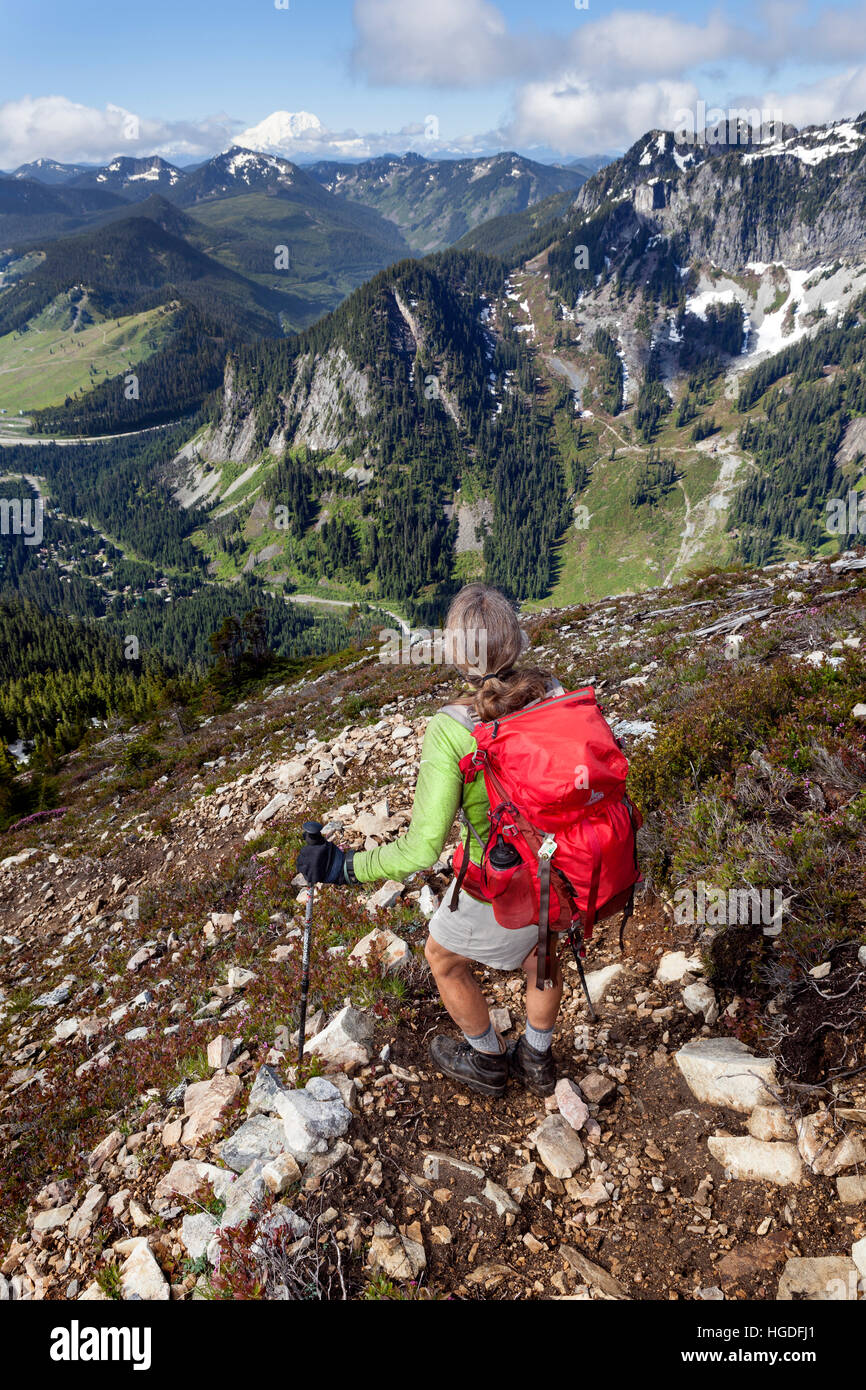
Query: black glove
(321, 863)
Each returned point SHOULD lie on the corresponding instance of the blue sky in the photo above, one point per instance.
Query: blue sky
(495, 73)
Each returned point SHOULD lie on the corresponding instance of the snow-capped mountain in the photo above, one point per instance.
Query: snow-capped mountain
(278, 132)
(238, 171)
(49, 171)
(134, 178)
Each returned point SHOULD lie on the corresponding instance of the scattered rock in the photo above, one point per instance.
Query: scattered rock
(852, 1191)
(499, 1199)
(197, 1232)
(280, 1174)
(389, 894)
(518, 1179)
(260, 1137)
(244, 1195)
(751, 1159)
(105, 1150)
(268, 812)
(816, 1139)
(53, 997)
(826, 1278)
(85, 1217)
(598, 982)
(309, 1124)
(265, 1092)
(383, 946)
(186, 1176)
(597, 1087)
(395, 1255)
(723, 1071)
(558, 1147)
(489, 1275)
(53, 1219)
(427, 900)
(592, 1274)
(572, 1107)
(205, 1104)
(434, 1164)
(219, 1052)
(239, 978)
(344, 1042)
(595, 1195)
(141, 1277)
(849, 1154)
(674, 965)
(770, 1122)
(740, 1265)
(699, 998)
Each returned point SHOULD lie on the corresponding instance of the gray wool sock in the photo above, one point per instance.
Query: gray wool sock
(485, 1042)
(538, 1038)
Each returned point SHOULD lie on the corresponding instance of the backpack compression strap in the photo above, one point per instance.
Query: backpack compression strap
(537, 842)
(542, 954)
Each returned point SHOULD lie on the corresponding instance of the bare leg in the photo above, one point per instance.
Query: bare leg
(542, 1005)
(458, 989)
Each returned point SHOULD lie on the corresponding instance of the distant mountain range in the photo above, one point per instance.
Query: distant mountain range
(264, 246)
(435, 202)
(617, 341)
(430, 202)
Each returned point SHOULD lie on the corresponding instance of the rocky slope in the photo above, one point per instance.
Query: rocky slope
(159, 1141)
(796, 198)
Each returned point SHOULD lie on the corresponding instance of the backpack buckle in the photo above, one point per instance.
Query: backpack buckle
(547, 848)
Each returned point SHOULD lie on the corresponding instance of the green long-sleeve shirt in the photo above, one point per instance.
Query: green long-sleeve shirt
(438, 795)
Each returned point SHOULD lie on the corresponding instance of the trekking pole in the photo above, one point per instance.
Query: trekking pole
(579, 963)
(312, 836)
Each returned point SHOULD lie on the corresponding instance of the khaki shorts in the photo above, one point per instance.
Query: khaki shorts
(474, 932)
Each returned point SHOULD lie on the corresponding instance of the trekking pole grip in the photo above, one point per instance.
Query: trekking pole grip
(313, 832)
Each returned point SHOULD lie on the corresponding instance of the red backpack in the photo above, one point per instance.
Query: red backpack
(562, 849)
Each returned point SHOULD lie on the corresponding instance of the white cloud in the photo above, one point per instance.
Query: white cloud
(449, 43)
(275, 135)
(462, 43)
(574, 115)
(55, 127)
(635, 42)
(612, 78)
(839, 95)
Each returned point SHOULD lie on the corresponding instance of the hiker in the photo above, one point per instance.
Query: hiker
(483, 622)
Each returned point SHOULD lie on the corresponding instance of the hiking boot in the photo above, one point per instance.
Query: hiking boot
(484, 1072)
(534, 1070)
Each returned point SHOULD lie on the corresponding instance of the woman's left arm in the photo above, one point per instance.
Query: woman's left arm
(438, 794)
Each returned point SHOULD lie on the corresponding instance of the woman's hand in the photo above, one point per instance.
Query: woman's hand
(321, 863)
